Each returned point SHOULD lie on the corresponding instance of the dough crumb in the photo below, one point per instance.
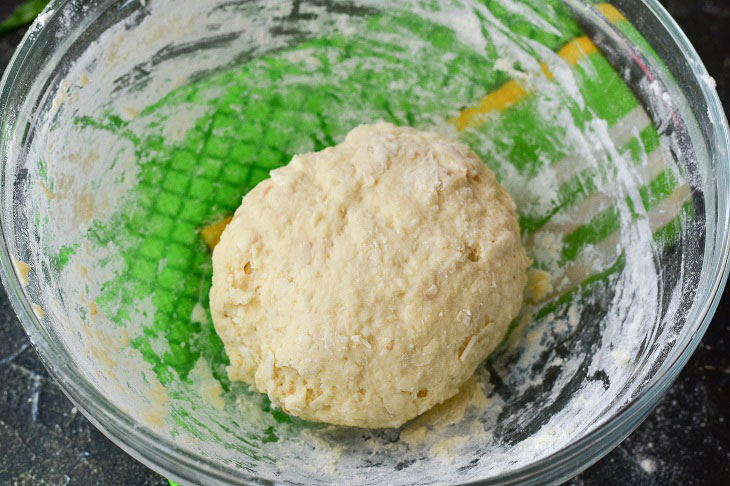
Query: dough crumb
(22, 269)
(84, 80)
(38, 310)
(648, 465)
(130, 111)
(49, 194)
(538, 285)
(548, 249)
(198, 315)
(413, 436)
(621, 356)
(444, 449)
(93, 310)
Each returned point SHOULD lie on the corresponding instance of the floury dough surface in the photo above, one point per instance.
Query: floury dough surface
(363, 284)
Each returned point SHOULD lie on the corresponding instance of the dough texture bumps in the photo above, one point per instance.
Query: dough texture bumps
(363, 284)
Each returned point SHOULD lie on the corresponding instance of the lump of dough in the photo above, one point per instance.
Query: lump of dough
(363, 284)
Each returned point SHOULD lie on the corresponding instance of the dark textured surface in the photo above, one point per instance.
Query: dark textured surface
(685, 441)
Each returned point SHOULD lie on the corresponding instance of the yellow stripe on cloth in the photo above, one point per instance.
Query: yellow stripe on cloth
(211, 234)
(514, 91)
(577, 49)
(610, 12)
(499, 100)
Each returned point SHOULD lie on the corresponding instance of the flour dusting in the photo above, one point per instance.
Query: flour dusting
(128, 155)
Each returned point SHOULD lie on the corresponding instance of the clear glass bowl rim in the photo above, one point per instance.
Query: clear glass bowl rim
(163, 455)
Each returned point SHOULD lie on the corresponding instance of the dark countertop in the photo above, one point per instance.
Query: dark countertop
(686, 440)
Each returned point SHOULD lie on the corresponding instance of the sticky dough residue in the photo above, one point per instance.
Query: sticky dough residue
(210, 389)
(433, 429)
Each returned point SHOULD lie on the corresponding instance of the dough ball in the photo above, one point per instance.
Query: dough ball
(363, 284)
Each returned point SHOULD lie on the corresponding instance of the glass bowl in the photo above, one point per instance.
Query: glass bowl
(131, 128)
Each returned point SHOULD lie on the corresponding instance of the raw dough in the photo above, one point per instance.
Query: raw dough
(363, 284)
